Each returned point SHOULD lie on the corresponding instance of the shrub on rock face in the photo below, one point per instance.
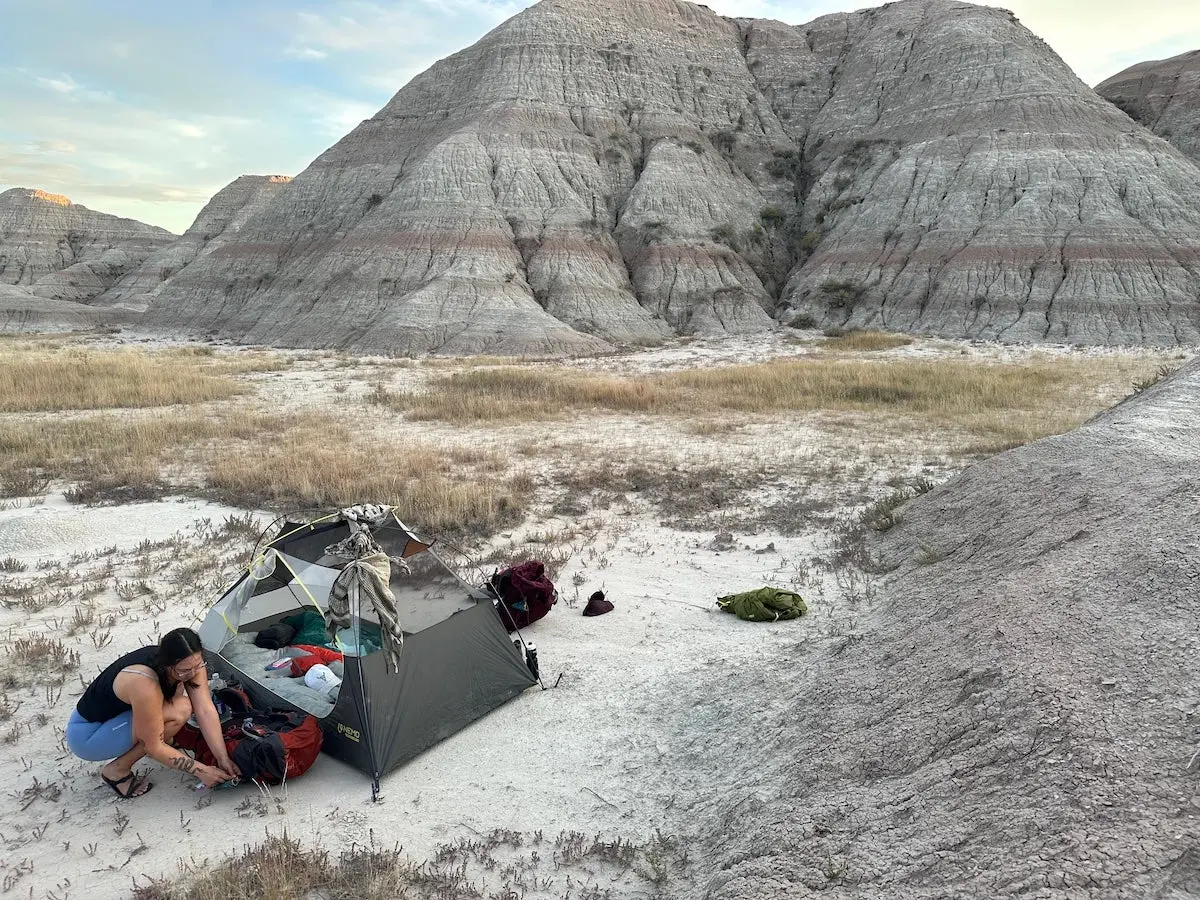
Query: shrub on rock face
(785, 164)
(803, 320)
(772, 216)
(842, 293)
(809, 242)
(725, 234)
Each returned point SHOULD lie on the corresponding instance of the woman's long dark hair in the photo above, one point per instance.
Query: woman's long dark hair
(174, 647)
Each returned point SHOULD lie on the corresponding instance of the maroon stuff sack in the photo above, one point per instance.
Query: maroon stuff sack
(526, 593)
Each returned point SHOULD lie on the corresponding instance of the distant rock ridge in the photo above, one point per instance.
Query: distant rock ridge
(1163, 95)
(22, 311)
(599, 173)
(38, 194)
(58, 250)
(218, 222)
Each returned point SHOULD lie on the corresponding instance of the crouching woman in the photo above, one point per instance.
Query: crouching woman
(135, 708)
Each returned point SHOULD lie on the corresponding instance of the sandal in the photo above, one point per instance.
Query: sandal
(129, 794)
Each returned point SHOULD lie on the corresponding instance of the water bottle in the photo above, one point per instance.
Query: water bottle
(531, 659)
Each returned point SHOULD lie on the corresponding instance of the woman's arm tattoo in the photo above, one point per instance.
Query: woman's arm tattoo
(184, 763)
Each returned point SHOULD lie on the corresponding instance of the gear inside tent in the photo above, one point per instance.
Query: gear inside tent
(423, 653)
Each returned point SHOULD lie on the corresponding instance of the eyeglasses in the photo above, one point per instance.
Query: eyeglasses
(187, 673)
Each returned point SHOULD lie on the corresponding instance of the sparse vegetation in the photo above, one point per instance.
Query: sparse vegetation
(1149, 382)
(808, 242)
(999, 405)
(36, 380)
(842, 294)
(856, 340)
(726, 234)
(785, 164)
(500, 864)
(436, 488)
(102, 453)
(772, 216)
(40, 658)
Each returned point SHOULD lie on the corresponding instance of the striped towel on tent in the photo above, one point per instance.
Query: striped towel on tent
(366, 578)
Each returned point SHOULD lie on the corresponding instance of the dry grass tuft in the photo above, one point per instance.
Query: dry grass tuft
(865, 341)
(996, 405)
(500, 864)
(109, 453)
(42, 379)
(521, 394)
(39, 658)
(329, 466)
(262, 459)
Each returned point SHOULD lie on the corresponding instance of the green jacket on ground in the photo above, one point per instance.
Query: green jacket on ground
(766, 604)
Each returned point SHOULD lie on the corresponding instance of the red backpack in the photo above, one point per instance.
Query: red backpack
(269, 745)
(525, 591)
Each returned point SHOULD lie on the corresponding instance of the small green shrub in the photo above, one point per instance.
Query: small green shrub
(726, 234)
(883, 515)
(1146, 383)
(772, 216)
(803, 320)
(842, 293)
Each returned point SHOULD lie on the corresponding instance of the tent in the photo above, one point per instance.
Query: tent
(457, 661)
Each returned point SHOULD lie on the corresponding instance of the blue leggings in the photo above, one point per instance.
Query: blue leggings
(97, 741)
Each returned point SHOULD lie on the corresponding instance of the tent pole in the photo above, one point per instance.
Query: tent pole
(356, 618)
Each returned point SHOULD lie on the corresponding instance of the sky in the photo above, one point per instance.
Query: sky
(146, 108)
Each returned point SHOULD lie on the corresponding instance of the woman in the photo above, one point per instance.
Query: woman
(134, 708)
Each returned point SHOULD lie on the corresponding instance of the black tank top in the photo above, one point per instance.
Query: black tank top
(99, 702)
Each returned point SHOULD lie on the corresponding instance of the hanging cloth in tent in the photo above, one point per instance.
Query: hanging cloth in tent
(365, 579)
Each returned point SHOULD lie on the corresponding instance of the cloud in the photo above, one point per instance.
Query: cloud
(54, 147)
(186, 129)
(362, 41)
(150, 193)
(308, 53)
(358, 25)
(340, 120)
(63, 85)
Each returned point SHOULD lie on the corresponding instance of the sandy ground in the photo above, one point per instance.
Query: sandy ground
(584, 756)
(581, 756)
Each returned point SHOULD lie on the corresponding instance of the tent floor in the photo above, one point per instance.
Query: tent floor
(252, 661)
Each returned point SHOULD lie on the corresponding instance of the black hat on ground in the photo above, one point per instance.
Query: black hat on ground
(597, 605)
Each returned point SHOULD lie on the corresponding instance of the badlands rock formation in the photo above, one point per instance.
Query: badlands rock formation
(1020, 714)
(221, 219)
(23, 311)
(1164, 95)
(606, 171)
(58, 250)
(958, 178)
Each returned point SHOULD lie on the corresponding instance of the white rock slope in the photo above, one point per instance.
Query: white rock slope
(1163, 95)
(221, 219)
(1019, 717)
(63, 251)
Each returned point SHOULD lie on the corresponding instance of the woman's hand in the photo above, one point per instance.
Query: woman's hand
(225, 764)
(211, 775)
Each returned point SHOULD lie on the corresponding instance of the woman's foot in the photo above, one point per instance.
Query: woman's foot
(129, 786)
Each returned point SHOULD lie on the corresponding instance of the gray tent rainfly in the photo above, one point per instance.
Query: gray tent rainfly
(456, 662)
